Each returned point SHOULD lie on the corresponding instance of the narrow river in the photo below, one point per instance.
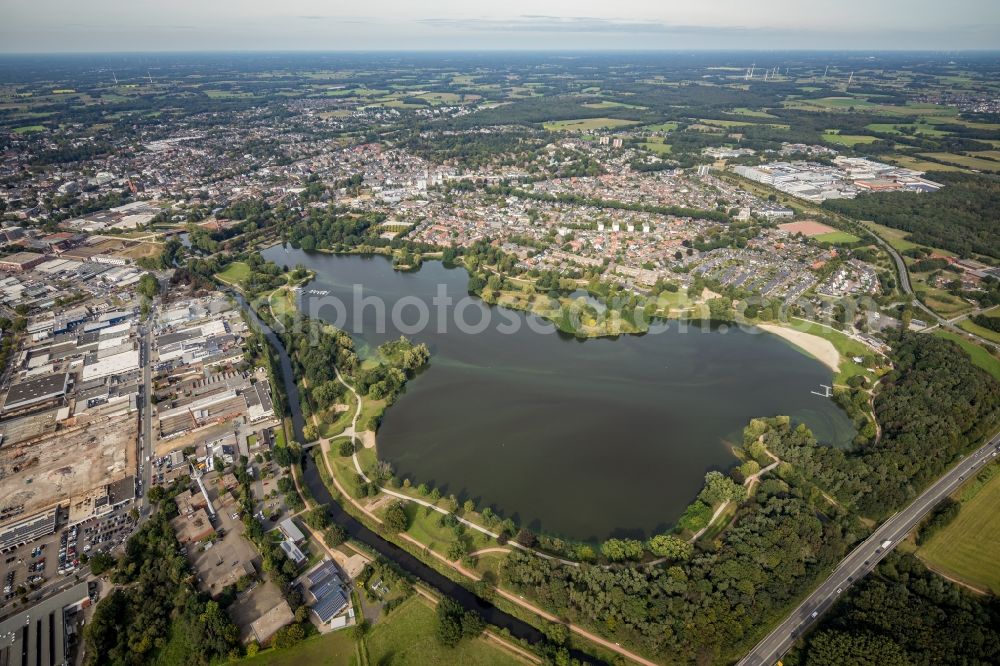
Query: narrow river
(358, 531)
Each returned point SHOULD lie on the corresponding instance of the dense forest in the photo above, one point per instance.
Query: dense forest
(714, 606)
(905, 615)
(933, 407)
(960, 217)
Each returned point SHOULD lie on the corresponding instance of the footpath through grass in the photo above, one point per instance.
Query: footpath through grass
(969, 548)
(407, 637)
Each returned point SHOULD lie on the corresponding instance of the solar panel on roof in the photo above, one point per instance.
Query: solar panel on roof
(329, 606)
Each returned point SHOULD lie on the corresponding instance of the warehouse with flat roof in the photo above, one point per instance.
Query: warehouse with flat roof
(36, 391)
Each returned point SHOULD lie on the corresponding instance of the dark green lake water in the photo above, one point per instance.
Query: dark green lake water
(585, 439)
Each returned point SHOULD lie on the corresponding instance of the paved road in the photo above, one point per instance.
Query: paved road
(904, 281)
(145, 444)
(864, 558)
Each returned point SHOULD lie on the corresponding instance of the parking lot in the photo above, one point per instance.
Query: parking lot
(47, 561)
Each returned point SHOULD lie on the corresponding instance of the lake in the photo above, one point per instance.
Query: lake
(581, 438)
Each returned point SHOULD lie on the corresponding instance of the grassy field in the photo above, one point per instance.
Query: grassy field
(834, 136)
(837, 237)
(911, 162)
(661, 127)
(334, 649)
(609, 104)
(407, 637)
(898, 238)
(236, 273)
(427, 529)
(656, 145)
(26, 129)
(966, 161)
(968, 325)
(751, 113)
(980, 357)
(586, 124)
(968, 548)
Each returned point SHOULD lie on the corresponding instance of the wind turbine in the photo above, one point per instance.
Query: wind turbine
(849, 80)
(149, 77)
(825, 71)
(114, 76)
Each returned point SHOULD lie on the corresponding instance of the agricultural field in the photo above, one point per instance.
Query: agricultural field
(406, 636)
(610, 104)
(968, 161)
(662, 127)
(587, 124)
(911, 162)
(967, 548)
(751, 113)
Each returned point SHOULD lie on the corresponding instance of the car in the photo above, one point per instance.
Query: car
(815, 614)
(839, 590)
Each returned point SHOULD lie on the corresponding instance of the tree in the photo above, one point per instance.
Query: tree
(617, 550)
(148, 286)
(448, 629)
(310, 432)
(334, 535)
(288, 636)
(670, 546)
(346, 447)
(318, 518)
(458, 550)
(100, 563)
(526, 538)
(395, 517)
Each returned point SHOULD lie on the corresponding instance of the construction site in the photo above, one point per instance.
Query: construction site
(39, 472)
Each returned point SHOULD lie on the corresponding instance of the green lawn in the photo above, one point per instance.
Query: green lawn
(426, 528)
(334, 649)
(971, 327)
(25, 129)
(236, 273)
(837, 238)
(969, 548)
(657, 146)
(406, 636)
(586, 124)
(980, 357)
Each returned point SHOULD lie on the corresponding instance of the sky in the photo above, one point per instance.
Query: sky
(316, 25)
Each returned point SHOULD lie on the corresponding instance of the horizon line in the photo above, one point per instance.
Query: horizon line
(852, 50)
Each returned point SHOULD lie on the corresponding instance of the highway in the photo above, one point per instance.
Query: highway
(863, 559)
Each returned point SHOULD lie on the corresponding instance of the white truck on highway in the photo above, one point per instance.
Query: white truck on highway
(885, 544)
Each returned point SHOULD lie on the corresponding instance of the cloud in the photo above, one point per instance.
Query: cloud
(544, 23)
(578, 24)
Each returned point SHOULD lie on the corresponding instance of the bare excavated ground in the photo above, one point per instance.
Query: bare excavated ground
(40, 472)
